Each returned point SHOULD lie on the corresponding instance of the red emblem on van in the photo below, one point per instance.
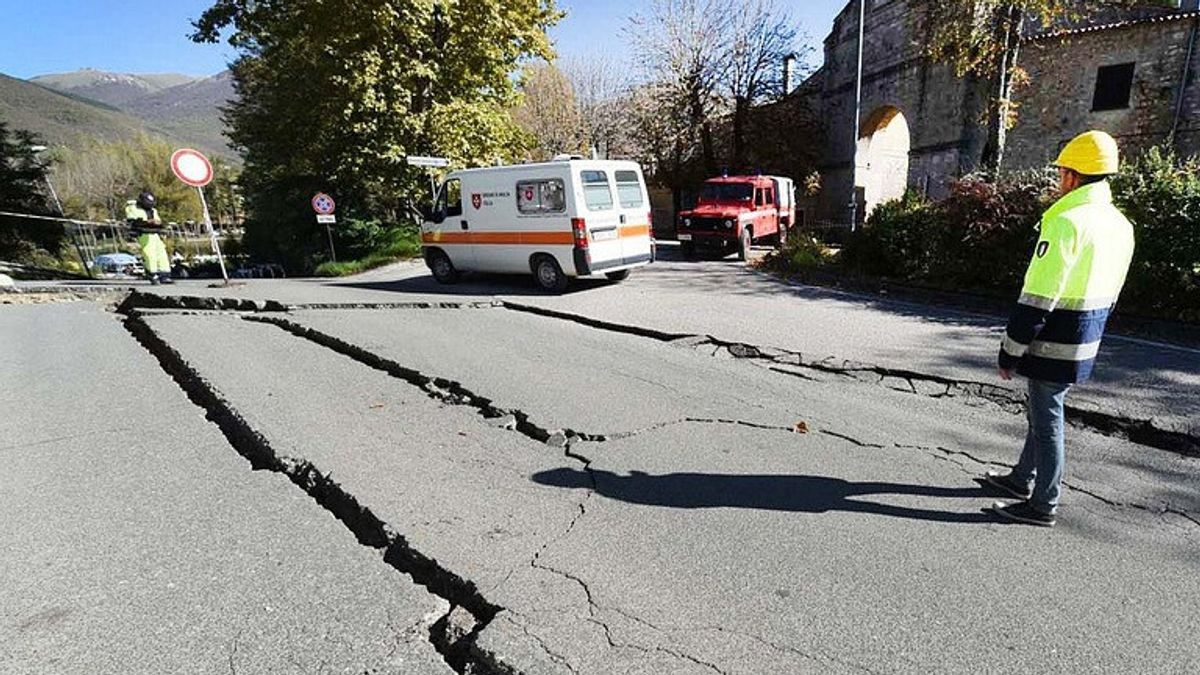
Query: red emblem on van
(477, 200)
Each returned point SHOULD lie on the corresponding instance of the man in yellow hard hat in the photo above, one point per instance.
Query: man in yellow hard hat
(1077, 271)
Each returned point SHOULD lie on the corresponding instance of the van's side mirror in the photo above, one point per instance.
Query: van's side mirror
(426, 211)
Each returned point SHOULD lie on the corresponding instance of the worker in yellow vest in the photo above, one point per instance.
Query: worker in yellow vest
(1078, 269)
(143, 218)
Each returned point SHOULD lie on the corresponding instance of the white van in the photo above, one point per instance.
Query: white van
(571, 217)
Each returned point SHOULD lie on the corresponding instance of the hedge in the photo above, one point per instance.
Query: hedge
(980, 237)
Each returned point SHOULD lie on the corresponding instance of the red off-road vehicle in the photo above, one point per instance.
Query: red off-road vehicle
(733, 212)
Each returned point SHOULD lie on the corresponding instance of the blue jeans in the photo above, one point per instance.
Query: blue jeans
(1043, 458)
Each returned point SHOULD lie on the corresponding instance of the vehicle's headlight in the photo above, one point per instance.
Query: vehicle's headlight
(729, 224)
(687, 222)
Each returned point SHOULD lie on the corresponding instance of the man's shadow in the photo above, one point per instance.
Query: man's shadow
(796, 493)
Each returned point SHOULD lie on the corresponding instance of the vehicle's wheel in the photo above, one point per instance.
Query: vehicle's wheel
(549, 275)
(443, 270)
(781, 238)
(744, 245)
(688, 249)
(621, 275)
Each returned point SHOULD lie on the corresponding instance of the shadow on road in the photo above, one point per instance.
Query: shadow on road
(796, 493)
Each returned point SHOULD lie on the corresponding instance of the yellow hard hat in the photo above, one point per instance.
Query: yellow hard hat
(1093, 153)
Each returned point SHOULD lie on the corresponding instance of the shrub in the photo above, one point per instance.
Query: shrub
(987, 230)
(802, 252)
(981, 236)
(1161, 195)
(393, 243)
(895, 240)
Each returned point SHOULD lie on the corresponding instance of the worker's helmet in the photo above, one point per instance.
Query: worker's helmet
(146, 200)
(1093, 153)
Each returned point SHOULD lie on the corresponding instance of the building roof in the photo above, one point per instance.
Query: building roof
(1096, 27)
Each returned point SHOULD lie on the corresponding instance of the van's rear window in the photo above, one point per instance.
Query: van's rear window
(596, 192)
(629, 189)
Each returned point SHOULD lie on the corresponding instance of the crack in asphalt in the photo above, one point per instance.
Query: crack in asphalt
(459, 650)
(1139, 431)
(455, 393)
(368, 529)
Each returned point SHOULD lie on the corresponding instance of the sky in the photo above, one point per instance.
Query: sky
(150, 36)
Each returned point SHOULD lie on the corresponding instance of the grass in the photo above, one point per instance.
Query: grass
(405, 246)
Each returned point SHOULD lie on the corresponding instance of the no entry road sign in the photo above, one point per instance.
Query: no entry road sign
(323, 204)
(192, 167)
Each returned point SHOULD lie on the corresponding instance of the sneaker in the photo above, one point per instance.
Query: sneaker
(1008, 484)
(154, 281)
(1022, 512)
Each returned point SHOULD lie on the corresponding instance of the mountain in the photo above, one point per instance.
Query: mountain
(115, 89)
(189, 111)
(60, 119)
(184, 109)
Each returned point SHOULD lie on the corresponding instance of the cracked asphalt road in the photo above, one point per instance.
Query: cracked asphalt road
(582, 499)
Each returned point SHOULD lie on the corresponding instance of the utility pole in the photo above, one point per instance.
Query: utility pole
(862, 19)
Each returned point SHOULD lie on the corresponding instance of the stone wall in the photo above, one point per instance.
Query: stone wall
(939, 107)
(1056, 104)
(945, 113)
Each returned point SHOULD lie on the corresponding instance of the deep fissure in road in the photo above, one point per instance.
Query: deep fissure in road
(786, 362)
(454, 393)
(1140, 431)
(454, 644)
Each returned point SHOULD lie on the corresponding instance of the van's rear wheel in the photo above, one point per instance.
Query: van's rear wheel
(443, 270)
(549, 274)
(744, 245)
(620, 275)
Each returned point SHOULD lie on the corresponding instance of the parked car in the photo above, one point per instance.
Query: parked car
(557, 220)
(734, 212)
(119, 263)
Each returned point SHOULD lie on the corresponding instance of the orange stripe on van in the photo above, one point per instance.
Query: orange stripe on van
(535, 238)
(630, 231)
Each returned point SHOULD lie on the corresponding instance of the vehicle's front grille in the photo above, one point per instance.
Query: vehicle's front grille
(708, 224)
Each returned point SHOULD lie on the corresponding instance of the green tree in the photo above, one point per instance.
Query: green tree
(22, 184)
(333, 96)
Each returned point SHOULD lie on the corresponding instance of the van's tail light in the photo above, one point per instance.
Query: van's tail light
(579, 229)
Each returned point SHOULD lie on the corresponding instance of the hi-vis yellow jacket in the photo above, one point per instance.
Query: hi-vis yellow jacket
(1078, 269)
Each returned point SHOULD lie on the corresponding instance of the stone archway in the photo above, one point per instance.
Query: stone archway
(882, 157)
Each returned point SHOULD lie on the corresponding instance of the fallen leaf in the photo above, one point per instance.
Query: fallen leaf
(801, 427)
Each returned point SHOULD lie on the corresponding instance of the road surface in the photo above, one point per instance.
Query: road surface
(697, 471)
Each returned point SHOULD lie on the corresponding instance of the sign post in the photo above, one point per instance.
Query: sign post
(324, 206)
(429, 163)
(194, 169)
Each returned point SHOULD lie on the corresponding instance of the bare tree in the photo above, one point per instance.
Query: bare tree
(548, 111)
(681, 46)
(761, 35)
(600, 86)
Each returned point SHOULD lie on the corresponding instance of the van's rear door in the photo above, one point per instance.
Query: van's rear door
(602, 217)
(634, 205)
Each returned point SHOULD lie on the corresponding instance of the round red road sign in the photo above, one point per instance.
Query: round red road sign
(323, 204)
(191, 167)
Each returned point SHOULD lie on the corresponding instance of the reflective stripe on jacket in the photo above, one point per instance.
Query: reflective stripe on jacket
(1078, 269)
